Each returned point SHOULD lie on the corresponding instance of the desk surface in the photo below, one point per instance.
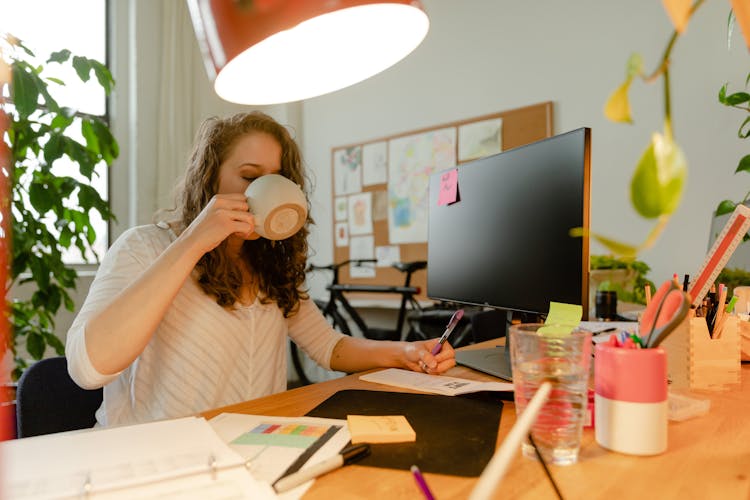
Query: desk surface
(707, 457)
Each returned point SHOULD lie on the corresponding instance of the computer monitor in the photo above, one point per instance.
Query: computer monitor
(505, 243)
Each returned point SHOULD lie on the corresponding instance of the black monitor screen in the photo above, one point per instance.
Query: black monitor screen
(505, 243)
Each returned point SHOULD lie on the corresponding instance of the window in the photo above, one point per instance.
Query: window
(47, 26)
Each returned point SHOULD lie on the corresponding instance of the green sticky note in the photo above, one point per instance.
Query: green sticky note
(562, 319)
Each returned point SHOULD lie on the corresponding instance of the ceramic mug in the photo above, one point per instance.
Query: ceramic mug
(278, 205)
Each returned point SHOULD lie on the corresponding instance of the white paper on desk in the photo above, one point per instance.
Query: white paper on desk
(168, 458)
(268, 462)
(436, 384)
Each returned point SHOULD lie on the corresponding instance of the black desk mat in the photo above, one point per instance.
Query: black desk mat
(456, 435)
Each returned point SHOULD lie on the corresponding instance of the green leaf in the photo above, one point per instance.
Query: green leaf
(723, 94)
(659, 178)
(730, 28)
(103, 76)
(55, 343)
(63, 119)
(55, 80)
(725, 207)
(744, 165)
(60, 56)
(66, 236)
(746, 133)
(107, 143)
(54, 299)
(54, 148)
(35, 345)
(23, 90)
(83, 67)
(737, 98)
(41, 198)
(90, 235)
(92, 141)
(87, 197)
(39, 271)
(634, 66)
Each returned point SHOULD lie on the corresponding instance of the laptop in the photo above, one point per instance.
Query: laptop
(493, 361)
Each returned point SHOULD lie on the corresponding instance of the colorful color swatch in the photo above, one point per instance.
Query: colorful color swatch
(289, 435)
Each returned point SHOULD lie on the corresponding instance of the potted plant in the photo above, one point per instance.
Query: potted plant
(624, 276)
(50, 211)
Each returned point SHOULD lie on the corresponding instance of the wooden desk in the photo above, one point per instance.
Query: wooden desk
(708, 457)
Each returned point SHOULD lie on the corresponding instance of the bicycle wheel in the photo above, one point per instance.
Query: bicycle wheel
(306, 368)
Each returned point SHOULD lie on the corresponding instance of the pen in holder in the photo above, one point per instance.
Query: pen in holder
(631, 399)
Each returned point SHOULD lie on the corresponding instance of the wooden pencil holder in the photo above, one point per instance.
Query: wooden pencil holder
(696, 361)
(714, 363)
(744, 329)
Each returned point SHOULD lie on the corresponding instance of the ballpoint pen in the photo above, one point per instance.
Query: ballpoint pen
(451, 325)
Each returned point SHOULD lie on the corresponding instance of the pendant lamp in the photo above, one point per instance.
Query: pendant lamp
(274, 51)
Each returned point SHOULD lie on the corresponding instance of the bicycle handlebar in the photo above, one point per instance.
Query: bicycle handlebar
(334, 266)
(401, 266)
(400, 290)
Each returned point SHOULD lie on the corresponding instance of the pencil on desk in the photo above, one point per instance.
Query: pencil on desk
(494, 472)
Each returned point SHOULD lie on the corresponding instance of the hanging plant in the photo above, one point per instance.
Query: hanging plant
(659, 178)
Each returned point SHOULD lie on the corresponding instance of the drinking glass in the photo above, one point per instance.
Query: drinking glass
(562, 360)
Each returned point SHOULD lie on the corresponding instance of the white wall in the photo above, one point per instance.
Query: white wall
(480, 56)
(485, 56)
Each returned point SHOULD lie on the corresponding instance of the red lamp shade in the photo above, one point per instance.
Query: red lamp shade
(274, 51)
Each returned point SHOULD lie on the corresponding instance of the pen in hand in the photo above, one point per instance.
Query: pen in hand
(451, 325)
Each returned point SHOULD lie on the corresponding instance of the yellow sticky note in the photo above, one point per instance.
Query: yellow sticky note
(562, 319)
(380, 429)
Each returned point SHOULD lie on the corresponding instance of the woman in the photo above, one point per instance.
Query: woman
(193, 313)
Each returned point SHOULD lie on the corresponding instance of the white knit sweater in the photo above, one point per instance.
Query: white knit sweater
(201, 356)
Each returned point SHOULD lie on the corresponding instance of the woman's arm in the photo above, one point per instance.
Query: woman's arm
(117, 334)
(355, 354)
(330, 349)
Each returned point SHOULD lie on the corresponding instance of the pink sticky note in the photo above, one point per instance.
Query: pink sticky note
(448, 187)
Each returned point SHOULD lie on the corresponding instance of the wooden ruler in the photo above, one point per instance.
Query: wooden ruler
(723, 248)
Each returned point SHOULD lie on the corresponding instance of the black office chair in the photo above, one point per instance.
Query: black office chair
(48, 401)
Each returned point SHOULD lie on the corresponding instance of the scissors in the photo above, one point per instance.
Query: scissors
(666, 310)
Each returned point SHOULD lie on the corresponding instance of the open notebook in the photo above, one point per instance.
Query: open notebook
(187, 458)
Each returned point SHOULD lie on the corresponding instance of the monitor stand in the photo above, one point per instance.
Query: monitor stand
(493, 360)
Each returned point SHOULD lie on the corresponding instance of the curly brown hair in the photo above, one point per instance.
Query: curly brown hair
(279, 266)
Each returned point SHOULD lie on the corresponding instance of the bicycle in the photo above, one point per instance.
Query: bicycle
(337, 306)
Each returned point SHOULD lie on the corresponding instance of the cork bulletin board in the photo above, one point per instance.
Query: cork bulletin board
(380, 187)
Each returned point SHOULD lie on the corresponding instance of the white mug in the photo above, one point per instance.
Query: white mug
(278, 205)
